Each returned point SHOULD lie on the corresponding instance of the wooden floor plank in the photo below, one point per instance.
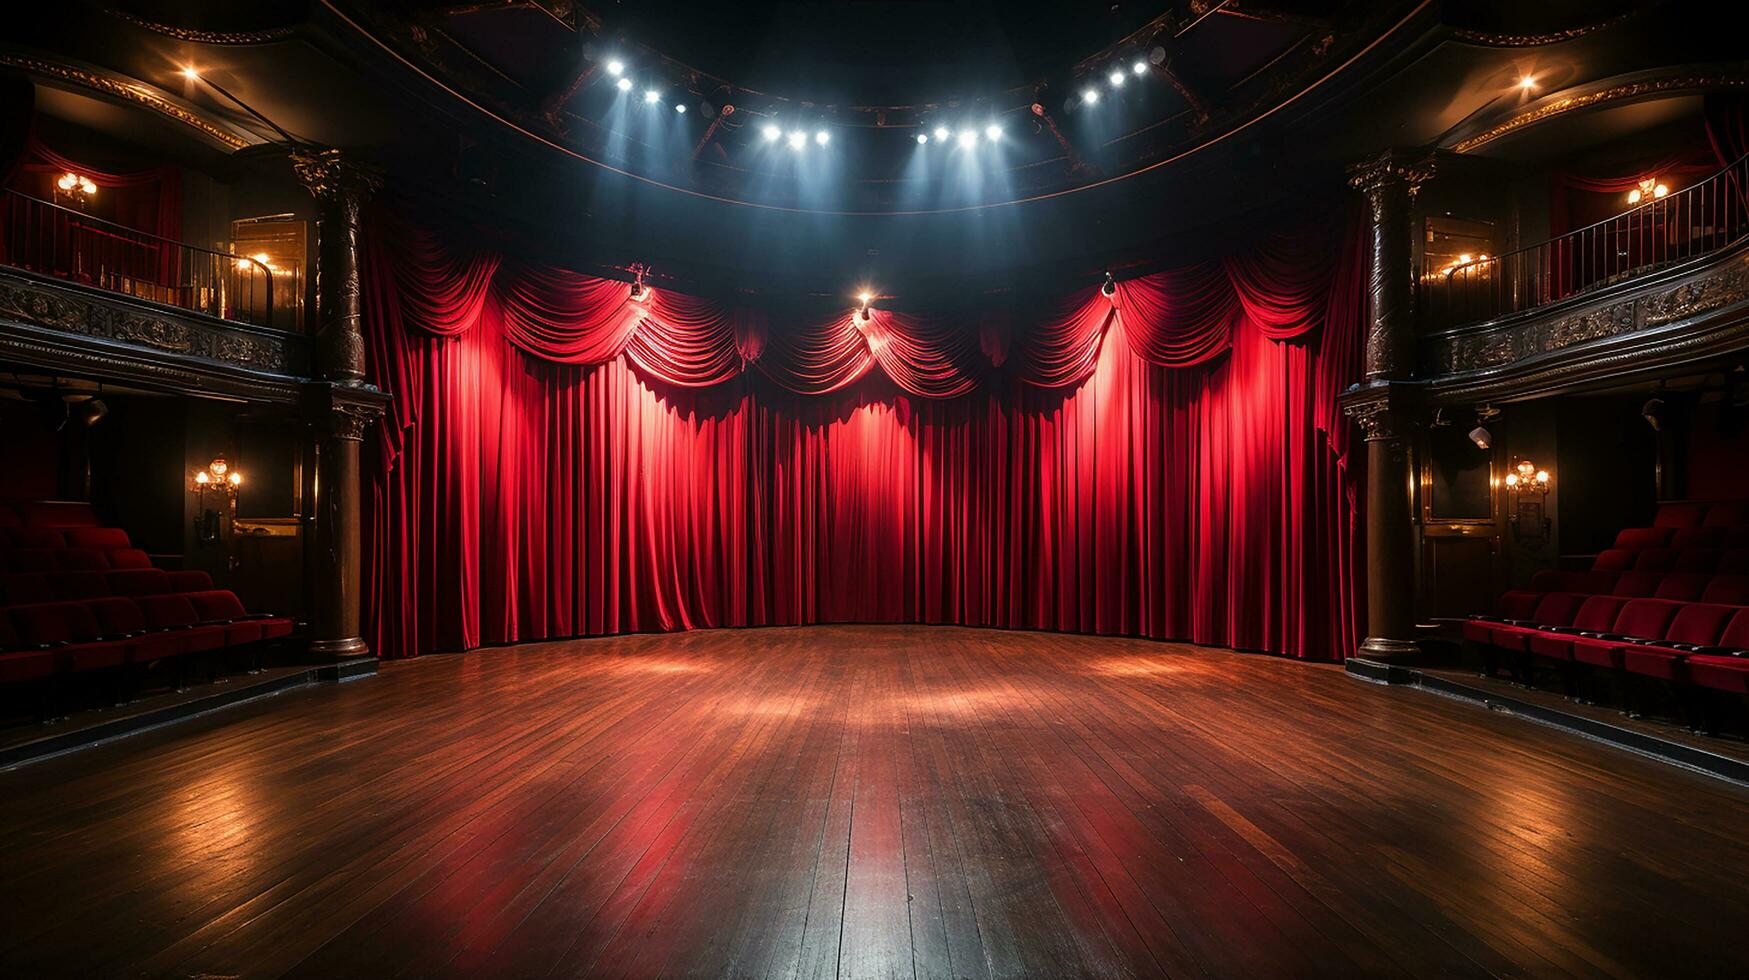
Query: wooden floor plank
(866, 801)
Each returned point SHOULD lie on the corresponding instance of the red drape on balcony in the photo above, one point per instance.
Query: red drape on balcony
(147, 200)
(1167, 468)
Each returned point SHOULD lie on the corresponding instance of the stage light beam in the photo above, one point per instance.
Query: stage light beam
(822, 137)
(1116, 78)
(624, 85)
(616, 67)
(1140, 67)
(771, 133)
(941, 133)
(992, 132)
(651, 96)
(1090, 95)
(922, 138)
(968, 138)
(798, 140)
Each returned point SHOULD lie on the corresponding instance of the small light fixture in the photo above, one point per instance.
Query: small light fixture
(1090, 95)
(624, 84)
(992, 132)
(1481, 437)
(218, 478)
(798, 140)
(1108, 288)
(941, 133)
(1526, 478)
(1116, 78)
(1649, 188)
(968, 138)
(189, 73)
(1140, 67)
(616, 67)
(1527, 82)
(1528, 487)
(922, 138)
(821, 138)
(77, 189)
(770, 133)
(651, 96)
(680, 107)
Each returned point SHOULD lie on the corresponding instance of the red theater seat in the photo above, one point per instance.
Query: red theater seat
(1638, 538)
(138, 581)
(1721, 672)
(31, 537)
(69, 630)
(1596, 615)
(1680, 515)
(81, 560)
(1637, 585)
(1684, 537)
(122, 619)
(241, 626)
(1732, 590)
(25, 588)
(175, 613)
(1682, 586)
(79, 585)
(1555, 609)
(1639, 620)
(28, 560)
(1696, 624)
(189, 580)
(1614, 560)
(1655, 560)
(128, 558)
(1733, 561)
(107, 538)
(1696, 560)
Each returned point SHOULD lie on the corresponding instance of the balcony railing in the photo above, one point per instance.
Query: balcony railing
(1664, 232)
(48, 239)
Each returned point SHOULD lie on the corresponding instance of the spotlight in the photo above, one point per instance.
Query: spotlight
(1156, 55)
(616, 67)
(922, 138)
(864, 297)
(968, 138)
(771, 133)
(1527, 82)
(1652, 412)
(1481, 437)
(822, 137)
(191, 74)
(1108, 288)
(797, 140)
(1140, 67)
(1090, 95)
(1116, 78)
(941, 133)
(992, 132)
(624, 85)
(651, 96)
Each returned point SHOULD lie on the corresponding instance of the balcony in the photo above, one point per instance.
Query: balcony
(1656, 285)
(84, 295)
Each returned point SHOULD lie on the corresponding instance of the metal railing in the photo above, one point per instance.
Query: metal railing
(1682, 225)
(49, 239)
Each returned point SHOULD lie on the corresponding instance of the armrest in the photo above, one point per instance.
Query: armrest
(1564, 630)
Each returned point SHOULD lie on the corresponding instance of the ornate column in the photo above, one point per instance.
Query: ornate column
(339, 405)
(1384, 404)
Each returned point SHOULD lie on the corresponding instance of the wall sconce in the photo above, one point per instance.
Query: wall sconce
(218, 478)
(75, 189)
(1528, 488)
(1649, 189)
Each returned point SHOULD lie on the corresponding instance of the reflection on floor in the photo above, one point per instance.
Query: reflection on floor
(868, 801)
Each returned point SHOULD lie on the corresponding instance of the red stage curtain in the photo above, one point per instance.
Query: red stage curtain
(562, 315)
(1179, 317)
(1085, 488)
(1283, 283)
(149, 201)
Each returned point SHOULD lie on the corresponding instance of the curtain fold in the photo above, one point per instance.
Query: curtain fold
(559, 461)
(1284, 281)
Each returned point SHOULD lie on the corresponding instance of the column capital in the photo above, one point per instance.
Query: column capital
(1405, 167)
(1385, 411)
(344, 410)
(334, 177)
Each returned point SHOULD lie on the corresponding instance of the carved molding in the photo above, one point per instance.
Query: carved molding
(1386, 412)
(183, 336)
(263, 36)
(346, 410)
(1493, 39)
(127, 90)
(1724, 284)
(1411, 168)
(1561, 105)
(334, 177)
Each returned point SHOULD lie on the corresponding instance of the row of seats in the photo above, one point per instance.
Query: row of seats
(1701, 513)
(26, 588)
(1730, 589)
(71, 559)
(43, 640)
(1703, 643)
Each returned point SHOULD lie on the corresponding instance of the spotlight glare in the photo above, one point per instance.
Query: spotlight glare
(1140, 67)
(865, 296)
(1527, 82)
(992, 132)
(624, 85)
(822, 137)
(922, 138)
(968, 137)
(651, 96)
(771, 133)
(1090, 95)
(941, 132)
(797, 140)
(616, 67)
(680, 107)
(191, 74)
(1116, 77)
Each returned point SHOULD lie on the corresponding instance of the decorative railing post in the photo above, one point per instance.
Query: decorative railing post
(1384, 404)
(340, 405)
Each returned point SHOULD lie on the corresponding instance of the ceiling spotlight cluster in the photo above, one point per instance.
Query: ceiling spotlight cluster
(797, 139)
(965, 138)
(1116, 76)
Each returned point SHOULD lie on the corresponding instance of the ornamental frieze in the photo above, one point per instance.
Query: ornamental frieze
(69, 313)
(1479, 350)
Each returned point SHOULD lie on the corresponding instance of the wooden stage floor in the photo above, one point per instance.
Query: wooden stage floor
(867, 802)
